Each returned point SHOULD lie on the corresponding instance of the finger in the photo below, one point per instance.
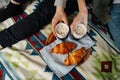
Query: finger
(76, 21)
(72, 25)
(71, 28)
(65, 21)
(54, 23)
(86, 22)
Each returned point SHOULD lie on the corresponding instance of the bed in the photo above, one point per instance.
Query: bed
(23, 61)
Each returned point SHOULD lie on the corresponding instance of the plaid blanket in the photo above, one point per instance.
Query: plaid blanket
(24, 62)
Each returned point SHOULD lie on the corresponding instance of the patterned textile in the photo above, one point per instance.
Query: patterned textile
(4, 3)
(24, 62)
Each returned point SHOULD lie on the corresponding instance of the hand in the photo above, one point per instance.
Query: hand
(60, 16)
(82, 17)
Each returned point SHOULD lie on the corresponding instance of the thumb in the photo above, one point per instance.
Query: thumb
(65, 21)
(54, 23)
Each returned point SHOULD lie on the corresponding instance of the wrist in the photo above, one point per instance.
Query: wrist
(84, 11)
(59, 8)
(14, 2)
(82, 6)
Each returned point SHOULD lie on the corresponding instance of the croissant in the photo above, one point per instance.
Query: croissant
(70, 45)
(51, 38)
(63, 48)
(75, 57)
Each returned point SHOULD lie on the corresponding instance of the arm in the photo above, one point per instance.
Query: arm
(60, 14)
(82, 16)
(61, 3)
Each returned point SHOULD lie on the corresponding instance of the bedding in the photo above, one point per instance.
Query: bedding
(23, 61)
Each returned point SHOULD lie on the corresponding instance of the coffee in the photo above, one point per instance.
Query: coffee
(79, 30)
(61, 30)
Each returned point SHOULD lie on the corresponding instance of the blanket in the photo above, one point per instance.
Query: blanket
(23, 61)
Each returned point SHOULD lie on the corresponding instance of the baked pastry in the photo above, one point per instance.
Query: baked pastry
(75, 57)
(63, 48)
(70, 45)
(86, 56)
(51, 38)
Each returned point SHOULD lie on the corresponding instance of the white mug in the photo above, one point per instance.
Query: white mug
(79, 30)
(62, 30)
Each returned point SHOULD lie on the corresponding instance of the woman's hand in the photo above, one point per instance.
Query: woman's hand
(60, 16)
(82, 16)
